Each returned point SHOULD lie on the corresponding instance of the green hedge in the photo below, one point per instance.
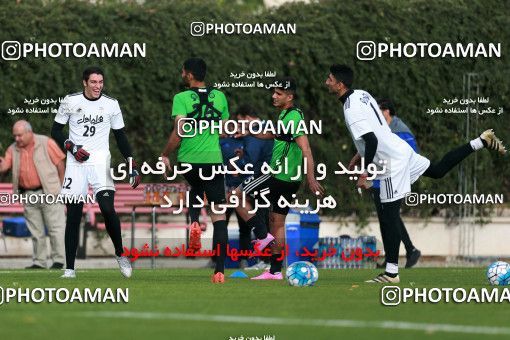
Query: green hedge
(327, 32)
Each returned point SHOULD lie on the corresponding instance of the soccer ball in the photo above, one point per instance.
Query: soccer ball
(498, 273)
(302, 273)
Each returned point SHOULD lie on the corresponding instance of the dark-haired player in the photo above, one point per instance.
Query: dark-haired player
(293, 147)
(201, 150)
(91, 115)
(375, 141)
(398, 127)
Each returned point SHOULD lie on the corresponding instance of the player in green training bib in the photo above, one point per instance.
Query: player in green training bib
(285, 148)
(201, 148)
(289, 150)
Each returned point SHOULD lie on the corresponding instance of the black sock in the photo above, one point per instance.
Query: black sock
(220, 236)
(406, 240)
(276, 263)
(390, 215)
(257, 225)
(194, 213)
(73, 219)
(451, 159)
(111, 220)
(390, 274)
(244, 236)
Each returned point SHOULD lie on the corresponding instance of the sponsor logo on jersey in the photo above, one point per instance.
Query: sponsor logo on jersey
(89, 119)
(364, 99)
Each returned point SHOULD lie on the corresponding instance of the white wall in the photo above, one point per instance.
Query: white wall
(434, 239)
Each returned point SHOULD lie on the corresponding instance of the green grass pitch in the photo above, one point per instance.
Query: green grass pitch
(183, 304)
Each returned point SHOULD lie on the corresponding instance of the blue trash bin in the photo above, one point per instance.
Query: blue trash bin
(302, 230)
(15, 226)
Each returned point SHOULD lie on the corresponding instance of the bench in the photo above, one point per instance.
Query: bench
(126, 203)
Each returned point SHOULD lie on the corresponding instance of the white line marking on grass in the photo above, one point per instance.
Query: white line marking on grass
(398, 325)
(35, 271)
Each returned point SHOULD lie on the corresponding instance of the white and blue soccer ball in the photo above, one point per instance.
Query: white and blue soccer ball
(498, 273)
(302, 273)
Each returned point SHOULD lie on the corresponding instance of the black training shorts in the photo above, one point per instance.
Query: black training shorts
(277, 188)
(213, 188)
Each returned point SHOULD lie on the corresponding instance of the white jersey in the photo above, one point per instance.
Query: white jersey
(362, 115)
(89, 124)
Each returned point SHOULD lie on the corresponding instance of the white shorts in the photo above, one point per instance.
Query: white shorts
(78, 178)
(403, 174)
